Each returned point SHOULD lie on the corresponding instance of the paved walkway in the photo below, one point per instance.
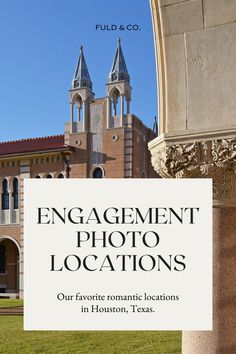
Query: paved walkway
(17, 310)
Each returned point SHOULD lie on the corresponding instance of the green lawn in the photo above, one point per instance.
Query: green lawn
(10, 302)
(15, 341)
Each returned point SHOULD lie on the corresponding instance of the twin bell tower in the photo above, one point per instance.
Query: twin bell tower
(118, 94)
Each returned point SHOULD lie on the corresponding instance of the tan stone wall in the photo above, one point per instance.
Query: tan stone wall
(195, 46)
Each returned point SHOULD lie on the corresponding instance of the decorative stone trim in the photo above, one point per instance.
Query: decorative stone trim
(214, 159)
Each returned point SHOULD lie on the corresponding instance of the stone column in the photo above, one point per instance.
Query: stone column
(108, 112)
(214, 159)
(222, 340)
(10, 201)
(128, 106)
(122, 110)
(71, 116)
(114, 105)
(84, 115)
(225, 283)
(78, 113)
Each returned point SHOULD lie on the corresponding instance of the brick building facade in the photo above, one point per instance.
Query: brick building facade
(101, 140)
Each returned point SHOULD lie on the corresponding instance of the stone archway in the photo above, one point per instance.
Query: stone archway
(9, 267)
(195, 43)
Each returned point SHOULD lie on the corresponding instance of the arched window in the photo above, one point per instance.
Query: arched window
(116, 102)
(98, 173)
(15, 194)
(5, 195)
(2, 259)
(80, 109)
(49, 176)
(61, 175)
(37, 176)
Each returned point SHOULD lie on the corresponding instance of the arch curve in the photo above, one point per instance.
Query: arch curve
(98, 172)
(157, 23)
(5, 237)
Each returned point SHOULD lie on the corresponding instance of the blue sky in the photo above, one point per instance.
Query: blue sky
(39, 48)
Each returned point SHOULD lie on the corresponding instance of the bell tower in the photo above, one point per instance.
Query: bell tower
(81, 95)
(118, 87)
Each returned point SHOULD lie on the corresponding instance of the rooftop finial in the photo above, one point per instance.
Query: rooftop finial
(119, 70)
(81, 78)
(155, 126)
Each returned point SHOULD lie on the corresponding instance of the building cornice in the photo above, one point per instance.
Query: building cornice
(67, 150)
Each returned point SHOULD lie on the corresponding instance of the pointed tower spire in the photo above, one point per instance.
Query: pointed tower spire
(119, 70)
(118, 87)
(81, 95)
(155, 126)
(81, 78)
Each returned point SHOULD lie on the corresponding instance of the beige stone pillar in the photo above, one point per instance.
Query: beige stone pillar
(128, 106)
(214, 159)
(222, 340)
(78, 113)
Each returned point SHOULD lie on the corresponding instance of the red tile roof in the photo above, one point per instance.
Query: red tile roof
(32, 145)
